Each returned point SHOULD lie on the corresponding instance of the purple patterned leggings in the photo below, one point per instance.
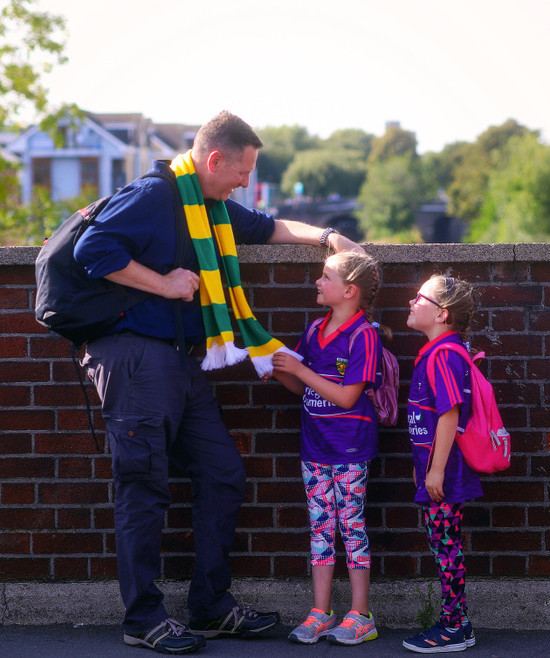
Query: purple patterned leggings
(443, 522)
(336, 493)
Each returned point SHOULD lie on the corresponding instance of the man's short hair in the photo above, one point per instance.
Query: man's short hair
(225, 132)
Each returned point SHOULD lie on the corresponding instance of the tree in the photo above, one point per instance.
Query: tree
(31, 43)
(280, 146)
(326, 171)
(390, 197)
(350, 139)
(439, 168)
(394, 142)
(468, 190)
(517, 202)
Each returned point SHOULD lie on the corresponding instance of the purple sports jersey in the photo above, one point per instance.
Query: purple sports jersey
(452, 376)
(332, 434)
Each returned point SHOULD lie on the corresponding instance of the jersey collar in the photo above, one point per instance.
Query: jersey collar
(448, 336)
(323, 342)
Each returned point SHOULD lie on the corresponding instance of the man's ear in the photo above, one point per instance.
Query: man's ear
(214, 160)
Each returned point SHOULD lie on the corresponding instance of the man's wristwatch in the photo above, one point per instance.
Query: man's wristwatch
(324, 236)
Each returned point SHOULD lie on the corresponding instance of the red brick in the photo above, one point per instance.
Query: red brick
(24, 467)
(18, 275)
(12, 298)
(278, 442)
(539, 565)
(280, 492)
(64, 443)
(75, 467)
(31, 569)
(72, 518)
(20, 322)
(293, 517)
(73, 493)
(14, 543)
(273, 393)
(255, 517)
(496, 541)
(17, 494)
(248, 418)
(289, 273)
(105, 568)
(23, 518)
(67, 542)
(290, 566)
(399, 566)
(70, 568)
(15, 396)
(104, 518)
(24, 371)
(257, 566)
(13, 347)
(505, 565)
(288, 467)
(402, 517)
(508, 517)
(271, 542)
(254, 273)
(274, 297)
(232, 394)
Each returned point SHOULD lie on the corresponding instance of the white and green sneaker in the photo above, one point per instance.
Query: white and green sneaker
(354, 629)
(314, 627)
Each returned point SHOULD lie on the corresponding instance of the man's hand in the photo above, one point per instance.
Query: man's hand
(180, 284)
(338, 242)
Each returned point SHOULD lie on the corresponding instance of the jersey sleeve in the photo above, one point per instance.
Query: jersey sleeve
(450, 370)
(364, 358)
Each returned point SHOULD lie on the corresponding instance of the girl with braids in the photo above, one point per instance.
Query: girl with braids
(341, 359)
(443, 310)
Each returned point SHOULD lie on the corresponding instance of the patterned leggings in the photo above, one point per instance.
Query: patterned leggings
(443, 524)
(337, 493)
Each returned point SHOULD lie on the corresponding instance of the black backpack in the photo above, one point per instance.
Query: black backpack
(68, 301)
(79, 308)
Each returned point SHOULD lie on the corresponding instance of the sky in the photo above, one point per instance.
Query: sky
(445, 69)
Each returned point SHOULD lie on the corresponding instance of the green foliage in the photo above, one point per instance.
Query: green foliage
(32, 223)
(280, 146)
(468, 190)
(395, 142)
(350, 139)
(438, 169)
(31, 42)
(390, 196)
(426, 615)
(324, 172)
(517, 202)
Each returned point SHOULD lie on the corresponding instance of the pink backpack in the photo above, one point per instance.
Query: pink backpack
(384, 398)
(485, 442)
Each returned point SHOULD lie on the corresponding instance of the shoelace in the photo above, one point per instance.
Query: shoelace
(175, 627)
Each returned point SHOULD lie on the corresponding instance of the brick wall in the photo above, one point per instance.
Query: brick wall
(56, 494)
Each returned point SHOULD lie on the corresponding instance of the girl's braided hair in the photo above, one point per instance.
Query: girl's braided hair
(458, 297)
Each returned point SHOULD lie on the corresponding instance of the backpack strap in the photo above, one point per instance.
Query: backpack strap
(312, 328)
(453, 347)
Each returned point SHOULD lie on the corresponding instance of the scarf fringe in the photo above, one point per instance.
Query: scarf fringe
(219, 356)
(264, 364)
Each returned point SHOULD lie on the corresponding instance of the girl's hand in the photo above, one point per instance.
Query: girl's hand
(434, 484)
(414, 476)
(286, 363)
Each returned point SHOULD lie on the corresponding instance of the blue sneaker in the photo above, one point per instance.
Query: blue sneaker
(437, 639)
(469, 636)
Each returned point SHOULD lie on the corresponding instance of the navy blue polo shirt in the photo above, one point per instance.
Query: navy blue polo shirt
(138, 224)
(453, 387)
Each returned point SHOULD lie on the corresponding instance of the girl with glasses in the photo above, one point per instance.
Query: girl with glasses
(442, 310)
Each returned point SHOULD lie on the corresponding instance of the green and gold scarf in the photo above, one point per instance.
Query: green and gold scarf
(220, 346)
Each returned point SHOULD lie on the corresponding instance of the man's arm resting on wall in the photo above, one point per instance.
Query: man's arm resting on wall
(288, 231)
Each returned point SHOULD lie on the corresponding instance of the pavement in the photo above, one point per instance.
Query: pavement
(91, 641)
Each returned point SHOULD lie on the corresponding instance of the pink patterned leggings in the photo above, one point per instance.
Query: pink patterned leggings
(336, 493)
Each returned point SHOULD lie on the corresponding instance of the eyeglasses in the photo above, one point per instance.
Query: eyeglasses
(419, 296)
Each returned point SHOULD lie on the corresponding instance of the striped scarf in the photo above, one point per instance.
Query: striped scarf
(220, 346)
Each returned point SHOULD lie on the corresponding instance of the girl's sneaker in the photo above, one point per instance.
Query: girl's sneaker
(354, 629)
(469, 636)
(437, 639)
(315, 626)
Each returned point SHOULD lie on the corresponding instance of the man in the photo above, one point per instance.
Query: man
(158, 407)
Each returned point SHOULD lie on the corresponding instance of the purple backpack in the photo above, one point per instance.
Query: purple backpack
(384, 398)
(485, 443)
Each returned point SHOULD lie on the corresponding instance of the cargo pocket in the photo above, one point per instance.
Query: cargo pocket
(138, 448)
